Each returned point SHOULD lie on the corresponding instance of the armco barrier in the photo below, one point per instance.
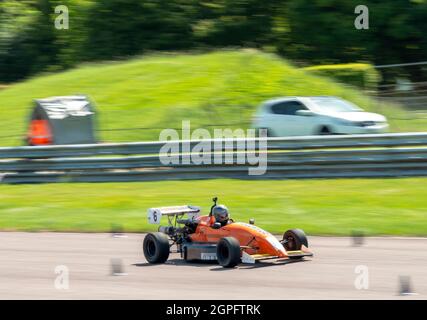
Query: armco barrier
(379, 155)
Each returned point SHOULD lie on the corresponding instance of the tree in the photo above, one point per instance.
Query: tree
(126, 27)
(27, 38)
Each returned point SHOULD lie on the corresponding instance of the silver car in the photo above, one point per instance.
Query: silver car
(303, 116)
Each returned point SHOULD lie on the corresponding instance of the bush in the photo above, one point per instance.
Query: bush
(362, 75)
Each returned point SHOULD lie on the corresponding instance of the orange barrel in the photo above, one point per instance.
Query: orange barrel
(39, 133)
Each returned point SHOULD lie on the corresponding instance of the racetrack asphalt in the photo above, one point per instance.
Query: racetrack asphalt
(28, 262)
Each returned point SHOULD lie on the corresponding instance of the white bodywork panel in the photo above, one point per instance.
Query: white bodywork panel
(247, 258)
(276, 244)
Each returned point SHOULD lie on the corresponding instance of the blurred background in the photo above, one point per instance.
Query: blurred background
(147, 65)
(205, 60)
(142, 66)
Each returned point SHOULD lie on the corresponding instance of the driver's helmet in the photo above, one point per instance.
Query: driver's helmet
(220, 212)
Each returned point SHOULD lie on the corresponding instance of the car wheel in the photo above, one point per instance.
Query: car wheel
(228, 252)
(294, 239)
(324, 131)
(156, 247)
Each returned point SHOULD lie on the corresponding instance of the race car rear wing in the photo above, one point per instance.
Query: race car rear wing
(155, 214)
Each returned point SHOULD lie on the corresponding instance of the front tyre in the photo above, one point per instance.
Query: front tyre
(156, 247)
(228, 252)
(294, 239)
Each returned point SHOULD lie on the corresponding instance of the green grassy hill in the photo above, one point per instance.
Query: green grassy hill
(159, 91)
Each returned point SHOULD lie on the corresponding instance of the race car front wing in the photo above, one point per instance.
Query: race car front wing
(253, 258)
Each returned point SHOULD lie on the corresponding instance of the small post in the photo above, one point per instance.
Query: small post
(117, 231)
(358, 238)
(405, 287)
(117, 267)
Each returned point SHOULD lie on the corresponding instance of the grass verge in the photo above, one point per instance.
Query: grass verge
(321, 207)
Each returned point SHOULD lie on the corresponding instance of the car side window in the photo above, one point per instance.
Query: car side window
(287, 108)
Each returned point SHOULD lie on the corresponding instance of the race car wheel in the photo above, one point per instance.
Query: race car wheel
(156, 247)
(294, 239)
(228, 252)
(324, 131)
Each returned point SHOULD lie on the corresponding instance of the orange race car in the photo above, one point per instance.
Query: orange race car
(217, 237)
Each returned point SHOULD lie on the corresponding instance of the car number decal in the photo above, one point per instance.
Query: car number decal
(208, 256)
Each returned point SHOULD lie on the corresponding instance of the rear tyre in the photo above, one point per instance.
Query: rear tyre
(294, 240)
(156, 247)
(228, 252)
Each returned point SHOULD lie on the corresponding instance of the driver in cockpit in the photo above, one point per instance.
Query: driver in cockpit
(220, 212)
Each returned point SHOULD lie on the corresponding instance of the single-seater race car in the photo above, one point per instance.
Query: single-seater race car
(217, 237)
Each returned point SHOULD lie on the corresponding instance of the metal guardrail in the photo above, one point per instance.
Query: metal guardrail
(379, 155)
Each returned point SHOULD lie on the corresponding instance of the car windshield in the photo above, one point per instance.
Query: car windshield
(330, 104)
